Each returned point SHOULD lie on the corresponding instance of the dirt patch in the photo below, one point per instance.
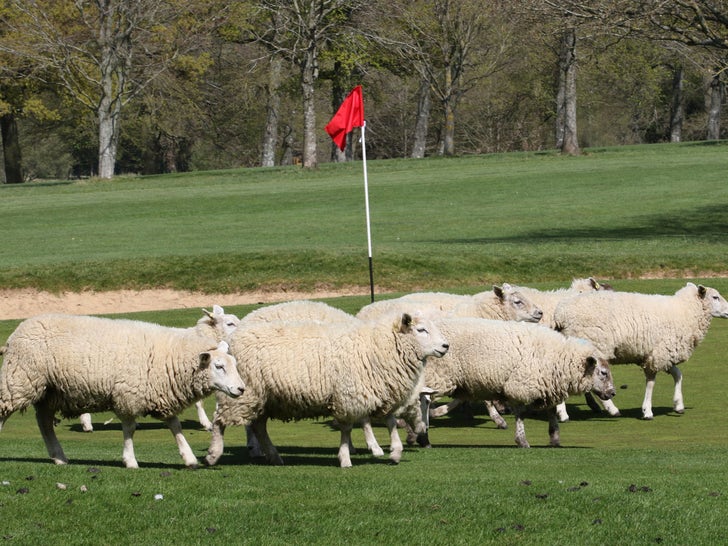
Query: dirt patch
(19, 304)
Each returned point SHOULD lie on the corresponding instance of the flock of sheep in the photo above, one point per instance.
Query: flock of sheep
(511, 346)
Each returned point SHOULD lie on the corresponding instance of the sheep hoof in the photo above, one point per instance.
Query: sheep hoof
(60, 461)
(647, 418)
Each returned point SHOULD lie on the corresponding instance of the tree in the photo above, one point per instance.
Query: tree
(297, 30)
(104, 52)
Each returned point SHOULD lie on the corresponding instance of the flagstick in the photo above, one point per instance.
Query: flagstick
(366, 201)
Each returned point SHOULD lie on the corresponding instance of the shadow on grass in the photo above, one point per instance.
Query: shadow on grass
(187, 424)
(701, 223)
(301, 456)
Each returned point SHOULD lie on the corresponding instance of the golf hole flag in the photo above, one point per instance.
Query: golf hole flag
(349, 115)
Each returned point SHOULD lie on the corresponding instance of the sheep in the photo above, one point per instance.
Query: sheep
(656, 332)
(526, 366)
(75, 364)
(303, 369)
(216, 324)
(547, 300)
(503, 302)
(319, 311)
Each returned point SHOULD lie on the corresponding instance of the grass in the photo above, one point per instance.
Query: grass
(536, 219)
(615, 213)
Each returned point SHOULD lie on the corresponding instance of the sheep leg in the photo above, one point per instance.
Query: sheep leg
(370, 439)
(86, 424)
(649, 388)
(520, 428)
(216, 443)
(677, 398)
(554, 437)
(344, 456)
(128, 426)
(592, 403)
(611, 408)
(495, 416)
(202, 416)
(185, 450)
(561, 412)
(251, 441)
(395, 443)
(44, 416)
(444, 409)
(260, 428)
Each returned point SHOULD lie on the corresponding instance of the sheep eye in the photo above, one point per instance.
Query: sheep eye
(422, 330)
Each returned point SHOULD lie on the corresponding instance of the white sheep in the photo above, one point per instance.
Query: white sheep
(74, 364)
(656, 332)
(547, 300)
(349, 371)
(216, 324)
(503, 302)
(526, 366)
(322, 312)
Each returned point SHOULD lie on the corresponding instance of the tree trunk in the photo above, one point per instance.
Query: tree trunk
(717, 90)
(677, 109)
(108, 136)
(570, 144)
(11, 149)
(423, 119)
(308, 79)
(449, 111)
(270, 136)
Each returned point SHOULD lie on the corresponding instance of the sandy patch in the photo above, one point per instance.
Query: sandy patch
(23, 303)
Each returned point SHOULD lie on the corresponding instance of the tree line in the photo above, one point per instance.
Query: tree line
(106, 87)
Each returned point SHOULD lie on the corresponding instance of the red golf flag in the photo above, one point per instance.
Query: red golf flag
(349, 115)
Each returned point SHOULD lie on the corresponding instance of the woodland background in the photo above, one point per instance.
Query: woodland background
(109, 87)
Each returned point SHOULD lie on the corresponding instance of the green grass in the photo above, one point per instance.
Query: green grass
(614, 212)
(536, 219)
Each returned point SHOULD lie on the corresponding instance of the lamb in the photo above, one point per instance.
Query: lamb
(76, 364)
(657, 332)
(526, 366)
(303, 369)
(216, 324)
(503, 302)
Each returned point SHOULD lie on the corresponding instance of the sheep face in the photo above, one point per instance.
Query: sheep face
(222, 323)
(517, 306)
(427, 335)
(601, 374)
(713, 301)
(223, 370)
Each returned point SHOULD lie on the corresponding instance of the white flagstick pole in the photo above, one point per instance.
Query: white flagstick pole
(366, 201)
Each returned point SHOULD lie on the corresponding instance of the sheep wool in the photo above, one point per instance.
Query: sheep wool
(656, 332)
(304, 369)
(503, 302)
(215, 324)
(76, 364)
(526, 366)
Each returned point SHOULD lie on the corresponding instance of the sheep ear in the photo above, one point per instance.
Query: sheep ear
(591, 364)
(218, 311)
(205, 359)
(594, 283)
(209, 315)
(405, 322)
(498, 291)
(702, 291)
(223, 346)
